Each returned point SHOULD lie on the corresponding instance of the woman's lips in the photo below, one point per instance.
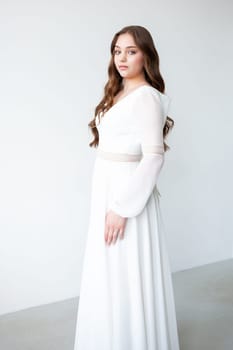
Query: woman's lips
(123, 67)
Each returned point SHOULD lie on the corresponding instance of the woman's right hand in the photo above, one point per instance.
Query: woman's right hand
(114, 227)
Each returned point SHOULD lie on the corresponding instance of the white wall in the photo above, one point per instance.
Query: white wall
(54, 58)
(44, 159)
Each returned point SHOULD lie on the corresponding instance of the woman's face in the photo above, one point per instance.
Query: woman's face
(128, 58)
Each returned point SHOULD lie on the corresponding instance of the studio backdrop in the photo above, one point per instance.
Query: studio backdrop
(53, 62)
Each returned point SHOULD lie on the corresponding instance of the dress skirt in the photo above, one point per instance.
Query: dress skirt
(126, 297)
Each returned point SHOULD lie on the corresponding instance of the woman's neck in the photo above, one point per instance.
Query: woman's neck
(131, 84)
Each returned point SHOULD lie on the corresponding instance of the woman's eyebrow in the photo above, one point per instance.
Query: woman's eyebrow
(127, 47)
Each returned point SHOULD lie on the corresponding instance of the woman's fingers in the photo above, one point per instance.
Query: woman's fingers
(110, 234)
(107, 234)
(121, 234)
(114, 237)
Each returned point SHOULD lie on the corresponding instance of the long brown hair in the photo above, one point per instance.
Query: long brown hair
(144, 41)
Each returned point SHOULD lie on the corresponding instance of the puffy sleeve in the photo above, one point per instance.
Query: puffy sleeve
(149, 112)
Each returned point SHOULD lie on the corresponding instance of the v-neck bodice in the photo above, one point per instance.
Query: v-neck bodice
(117, 126)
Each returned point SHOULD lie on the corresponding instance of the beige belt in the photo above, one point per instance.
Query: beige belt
(120, 157)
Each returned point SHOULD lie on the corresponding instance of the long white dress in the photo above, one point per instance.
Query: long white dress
(126, 297)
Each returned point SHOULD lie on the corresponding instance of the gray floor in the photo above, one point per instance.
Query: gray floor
(204, 302)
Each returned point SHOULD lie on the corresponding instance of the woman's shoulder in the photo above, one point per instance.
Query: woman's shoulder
(147, 95)
(150, 90)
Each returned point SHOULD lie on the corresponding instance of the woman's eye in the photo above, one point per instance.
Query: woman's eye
(130, 52)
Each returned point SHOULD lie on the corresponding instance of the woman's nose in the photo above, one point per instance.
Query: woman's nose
(123, 56)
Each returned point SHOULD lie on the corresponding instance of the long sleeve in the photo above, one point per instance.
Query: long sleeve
(148, 112)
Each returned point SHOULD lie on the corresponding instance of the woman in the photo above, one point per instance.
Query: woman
(126, 297)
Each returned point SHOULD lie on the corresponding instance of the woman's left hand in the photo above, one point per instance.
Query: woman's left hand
(114, 227)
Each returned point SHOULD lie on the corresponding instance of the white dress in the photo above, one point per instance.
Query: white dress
(126, 297)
